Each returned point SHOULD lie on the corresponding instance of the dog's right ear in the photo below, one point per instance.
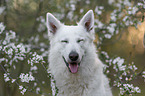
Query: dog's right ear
(53, 24)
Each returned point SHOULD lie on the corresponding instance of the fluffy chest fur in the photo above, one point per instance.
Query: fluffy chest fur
(89, 81)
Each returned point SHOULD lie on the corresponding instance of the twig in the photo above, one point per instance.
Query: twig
(44, 67)
(140, 73)
(8, 75)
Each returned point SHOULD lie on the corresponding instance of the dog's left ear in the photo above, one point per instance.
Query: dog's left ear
(88, 20)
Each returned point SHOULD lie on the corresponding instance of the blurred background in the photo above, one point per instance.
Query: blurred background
(27, 19)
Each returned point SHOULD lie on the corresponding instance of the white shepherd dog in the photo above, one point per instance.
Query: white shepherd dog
(73, 61)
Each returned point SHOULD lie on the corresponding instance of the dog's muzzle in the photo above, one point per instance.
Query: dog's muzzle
(74, 63)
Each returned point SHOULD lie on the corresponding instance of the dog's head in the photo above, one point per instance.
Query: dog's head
(71, 41)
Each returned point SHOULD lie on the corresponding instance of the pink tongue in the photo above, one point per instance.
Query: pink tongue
(73, 68)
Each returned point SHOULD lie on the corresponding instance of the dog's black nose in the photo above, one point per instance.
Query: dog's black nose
(73, 56)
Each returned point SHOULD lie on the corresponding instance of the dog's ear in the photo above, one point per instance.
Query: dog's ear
(88, 20)
(53, 24)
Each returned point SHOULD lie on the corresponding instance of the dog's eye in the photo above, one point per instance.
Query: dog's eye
(80, 40)
(64, 41)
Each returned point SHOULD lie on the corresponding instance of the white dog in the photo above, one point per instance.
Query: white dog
(73, 61)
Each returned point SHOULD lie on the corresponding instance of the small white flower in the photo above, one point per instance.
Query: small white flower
(98, 9)
(20, 87)
(125, 18)
(137, 89)
(108, 36)
(111, 1)
(126, 79)
(23, 91)
(13, 80)
(10, 51)
(139, 4)
(34, 68)
(111, 29)
(26, 78)
(2, 27)
(7, 79)
(35, 84)
(37, 90)
(21, 48)
(101, 7)
(87, 1)
(119, 62)
(2, 59)
(43, 82)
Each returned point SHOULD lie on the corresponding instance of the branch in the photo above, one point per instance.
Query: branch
(140, 73)
(8, 75)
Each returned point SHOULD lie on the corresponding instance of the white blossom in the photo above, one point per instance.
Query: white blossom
(111, 28)
(35, 84)
(20, 87)
(43, 82)
(99, 9)
(99, 23)
(119, 63)
(108, 36)
(132, 10)
(13, 80)
(9, 35)
(21, 48)
(105, 53)
(2, 27)
(37, 90)
(26, 78)
(10, 51)
(41, 27)
(125, 18)
(127, 3)
(6, 77)
(81, 10)
(2, 59)
(139, 4)
(113, 15)
(23, 91)
(87, 1)
(129, 88)
(111, 1)
(143, 75)
(33, 68)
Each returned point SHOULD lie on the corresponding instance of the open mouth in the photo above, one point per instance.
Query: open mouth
(72, 66)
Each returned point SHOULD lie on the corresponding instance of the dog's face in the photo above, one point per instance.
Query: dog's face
(71, 41)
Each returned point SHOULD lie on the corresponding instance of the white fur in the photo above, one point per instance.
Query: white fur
(89, 80)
